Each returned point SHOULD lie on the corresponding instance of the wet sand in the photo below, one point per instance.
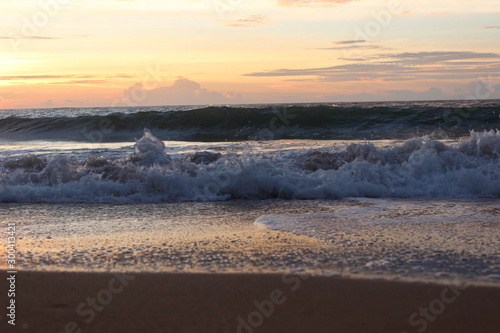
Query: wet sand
(198, 267)
(422, 240)
(169, 302)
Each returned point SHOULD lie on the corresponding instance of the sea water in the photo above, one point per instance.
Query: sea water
(407, 150)
(401, 163)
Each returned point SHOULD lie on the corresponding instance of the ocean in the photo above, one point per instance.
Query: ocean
(407, 189)
(447, 149)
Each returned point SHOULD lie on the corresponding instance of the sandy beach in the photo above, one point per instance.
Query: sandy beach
(169, 302)
(231, 267)
(237, 166)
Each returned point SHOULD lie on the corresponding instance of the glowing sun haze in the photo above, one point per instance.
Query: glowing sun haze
(82, 53)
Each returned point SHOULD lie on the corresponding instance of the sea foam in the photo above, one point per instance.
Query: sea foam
(416, 168)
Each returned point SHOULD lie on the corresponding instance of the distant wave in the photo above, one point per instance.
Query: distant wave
(329, 122)
(419, 167)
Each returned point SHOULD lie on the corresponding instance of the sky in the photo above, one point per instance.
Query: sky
(104, 53)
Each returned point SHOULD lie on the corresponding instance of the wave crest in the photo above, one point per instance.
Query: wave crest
(211, 124)
(419, 167)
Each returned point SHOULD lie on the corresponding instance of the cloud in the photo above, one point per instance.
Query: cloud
(337, 73)
(28, 37)
(400, 67)
(435, 57)
(474, 90)
(182, 92)
(35, 77)
(390, 95)
(492, 27)
(359, 97)
(66, 79)
(74, 102)
(343, 42)
(351, 47)
(48, 104)
(75, 36)
(411, 95)
(479, 89)
(360, 44)
(439, 14)
(253, 21)
(312, 3)
(431, 57)
(82, 82)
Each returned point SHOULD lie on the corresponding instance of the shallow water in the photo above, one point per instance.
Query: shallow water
(92, 189)
(417, 239)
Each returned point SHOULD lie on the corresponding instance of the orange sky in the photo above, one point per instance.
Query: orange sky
(82, 53)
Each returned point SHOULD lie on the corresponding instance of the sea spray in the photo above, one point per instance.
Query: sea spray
(416, 168)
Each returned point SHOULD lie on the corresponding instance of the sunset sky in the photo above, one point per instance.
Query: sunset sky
(84, 53)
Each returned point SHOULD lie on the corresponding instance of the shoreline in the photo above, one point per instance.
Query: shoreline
(357, 266)
(425, 240)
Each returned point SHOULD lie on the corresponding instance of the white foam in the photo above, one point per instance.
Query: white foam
(419, 167)
(383, 212)
(150, 150)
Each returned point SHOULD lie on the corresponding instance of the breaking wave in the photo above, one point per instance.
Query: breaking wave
(418, 167)
(210, 124)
